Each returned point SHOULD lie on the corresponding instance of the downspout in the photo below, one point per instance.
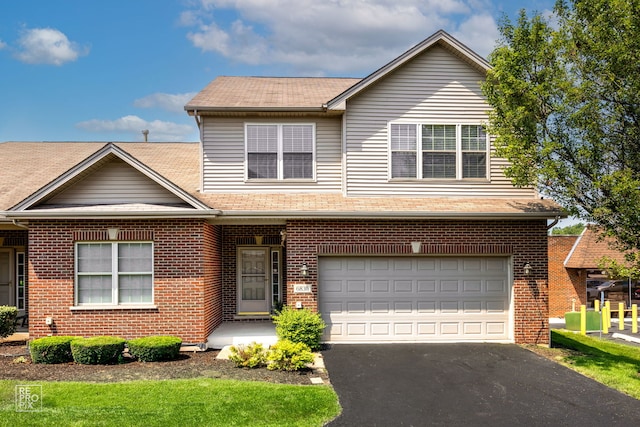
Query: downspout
(555, 221)
(17, 224)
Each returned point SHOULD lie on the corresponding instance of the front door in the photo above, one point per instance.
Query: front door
(6, 273)
(253, 281)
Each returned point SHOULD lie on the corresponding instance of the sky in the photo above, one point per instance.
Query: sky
(81, 70)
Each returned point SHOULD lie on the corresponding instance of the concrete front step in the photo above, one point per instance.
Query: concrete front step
(236, 333)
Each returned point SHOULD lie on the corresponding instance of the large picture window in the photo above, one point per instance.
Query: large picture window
(280, 151)
(113, 273)
(438, 151)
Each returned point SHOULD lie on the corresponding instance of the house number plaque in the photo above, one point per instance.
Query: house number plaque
(301, 289)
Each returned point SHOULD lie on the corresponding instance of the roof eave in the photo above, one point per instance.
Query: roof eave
(294, 214)
(110, 214)
(199, 111)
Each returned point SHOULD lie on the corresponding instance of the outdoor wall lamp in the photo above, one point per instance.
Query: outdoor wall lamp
(527, 269)
(304, 270)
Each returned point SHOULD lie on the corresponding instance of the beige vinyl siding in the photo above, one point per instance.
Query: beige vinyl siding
(223, 156)
(436, 87)
(114, 182)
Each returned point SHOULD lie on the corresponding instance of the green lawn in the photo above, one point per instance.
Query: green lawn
(172, 403)
(612, 364)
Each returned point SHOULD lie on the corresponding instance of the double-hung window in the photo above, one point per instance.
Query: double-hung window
(114, 273)
(438, 151)
(280, 151)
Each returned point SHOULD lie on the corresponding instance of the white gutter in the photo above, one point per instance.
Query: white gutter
(386, 215)
(110, 215)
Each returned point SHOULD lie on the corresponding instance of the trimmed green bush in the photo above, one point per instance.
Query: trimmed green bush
(302, 326)
(250, 356)
(155, 348)
(8, 316)
(49, 350)
(97, 350)
(289, 356)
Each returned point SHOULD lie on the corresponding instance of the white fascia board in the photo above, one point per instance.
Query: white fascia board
(50, 214)
(385, 215)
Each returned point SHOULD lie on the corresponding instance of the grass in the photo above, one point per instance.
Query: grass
(199, 401)
(615, 365)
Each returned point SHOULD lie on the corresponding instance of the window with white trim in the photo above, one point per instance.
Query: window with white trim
(114, 273)
(280, 151)
(438, 151)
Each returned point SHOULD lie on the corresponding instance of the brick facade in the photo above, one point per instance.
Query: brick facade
(186, 281)
(567, 287)
(195, 268)
(524, 241)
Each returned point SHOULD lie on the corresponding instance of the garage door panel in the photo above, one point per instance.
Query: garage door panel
(371, 299)
(332, 286)
(426, 286)
(426, 329)
(380, 286)
(449, 286)
(403, 307)
(472, 306)
(402, 286)
(472, 286)
(472, 328)
(426, 264)
(497, 286)
(356, 286)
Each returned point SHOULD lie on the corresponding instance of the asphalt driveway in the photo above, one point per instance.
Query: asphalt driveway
(467, 384)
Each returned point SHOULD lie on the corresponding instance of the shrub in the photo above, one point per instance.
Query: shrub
(97, 350)
(56, 349)
(302, 326)
(8, 316)
(251, 356)
(289, 356)
(155, 348)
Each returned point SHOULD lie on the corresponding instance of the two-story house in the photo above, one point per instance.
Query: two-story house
(375, 201)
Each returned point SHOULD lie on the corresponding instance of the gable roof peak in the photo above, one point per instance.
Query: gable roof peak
(440, 37)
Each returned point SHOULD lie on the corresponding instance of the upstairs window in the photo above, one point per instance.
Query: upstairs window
(438, 151)
(114, 273)
(280, 151)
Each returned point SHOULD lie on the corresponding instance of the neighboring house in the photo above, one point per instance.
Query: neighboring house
(573, 263)
(374, 201)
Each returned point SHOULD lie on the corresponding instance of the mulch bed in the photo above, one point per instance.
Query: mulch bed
(15, 364)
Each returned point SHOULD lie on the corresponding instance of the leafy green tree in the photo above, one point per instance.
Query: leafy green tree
(569, 230)
(566, 109)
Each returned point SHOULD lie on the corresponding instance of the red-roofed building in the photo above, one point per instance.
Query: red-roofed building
(574, 263)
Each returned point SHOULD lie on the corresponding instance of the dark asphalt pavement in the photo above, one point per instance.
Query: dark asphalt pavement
(467, 384)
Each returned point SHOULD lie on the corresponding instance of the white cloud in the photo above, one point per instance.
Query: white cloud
(2, 45)
(333, 36)
(47, 46)
(134, 125)
(479, 32)
(169, 102)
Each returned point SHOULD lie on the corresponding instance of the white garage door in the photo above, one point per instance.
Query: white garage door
(377, 299)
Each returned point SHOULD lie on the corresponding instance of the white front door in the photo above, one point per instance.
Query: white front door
(253, 281)
(6, 274)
